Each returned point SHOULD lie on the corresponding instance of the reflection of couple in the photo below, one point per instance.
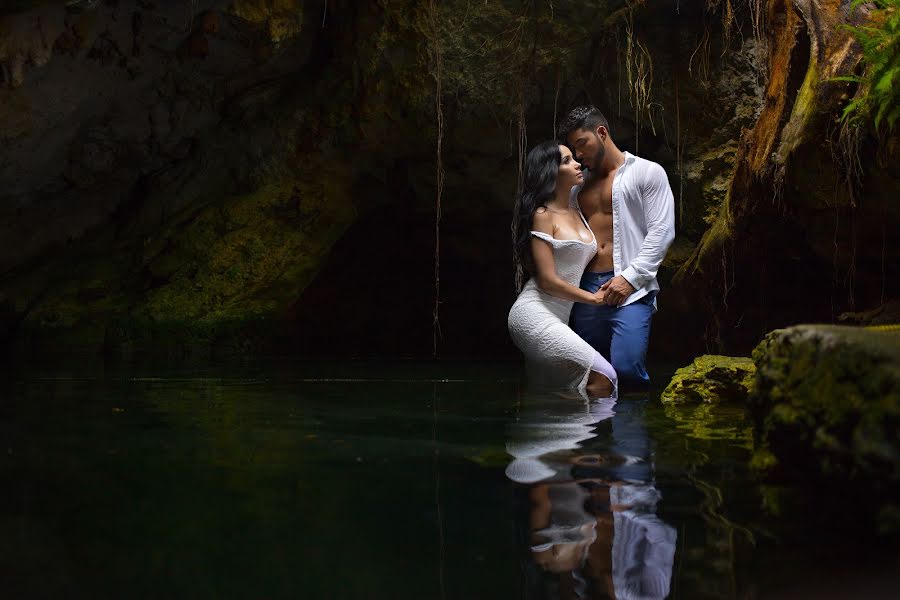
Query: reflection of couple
(592, 247)
(592, 521)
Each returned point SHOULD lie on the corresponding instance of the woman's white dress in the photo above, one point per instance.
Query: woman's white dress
(539, 323)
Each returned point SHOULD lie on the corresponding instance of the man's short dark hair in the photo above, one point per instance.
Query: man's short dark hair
(582, 117)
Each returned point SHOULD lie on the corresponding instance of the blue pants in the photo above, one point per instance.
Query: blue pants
(620, 334)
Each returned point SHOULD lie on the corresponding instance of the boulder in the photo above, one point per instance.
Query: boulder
(827, 401)
(711, 379)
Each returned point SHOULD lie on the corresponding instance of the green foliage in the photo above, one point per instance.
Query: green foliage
(879, 96)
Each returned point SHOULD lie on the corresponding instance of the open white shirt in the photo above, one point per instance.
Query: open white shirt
(643, 209)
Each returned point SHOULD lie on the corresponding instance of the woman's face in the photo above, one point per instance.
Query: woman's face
(569, 170)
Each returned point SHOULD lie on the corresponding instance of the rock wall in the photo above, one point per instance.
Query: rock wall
(803, 232)
(248, 176)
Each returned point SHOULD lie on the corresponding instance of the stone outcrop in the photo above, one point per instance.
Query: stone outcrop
(824, 403)
(826, 411)
(805, 213)
(131, 129)
(828, 398)
(711, 379)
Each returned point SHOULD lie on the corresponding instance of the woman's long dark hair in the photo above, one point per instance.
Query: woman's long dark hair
(538, 187)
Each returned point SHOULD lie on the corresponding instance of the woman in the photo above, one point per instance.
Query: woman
(553, 243)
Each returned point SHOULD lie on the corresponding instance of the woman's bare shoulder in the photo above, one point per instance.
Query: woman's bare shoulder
(543, 220)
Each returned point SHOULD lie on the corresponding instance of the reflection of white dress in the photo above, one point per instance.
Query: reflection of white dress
(560, 428)
(538, 322)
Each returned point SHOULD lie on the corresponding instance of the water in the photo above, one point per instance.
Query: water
(394, 481)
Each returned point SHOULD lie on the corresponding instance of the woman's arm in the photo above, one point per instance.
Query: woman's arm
(546, 277)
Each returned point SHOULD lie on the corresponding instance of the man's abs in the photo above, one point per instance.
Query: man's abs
(595, 200)
(601, 225)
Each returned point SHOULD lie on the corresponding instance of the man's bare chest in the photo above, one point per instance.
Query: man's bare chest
(596, 199)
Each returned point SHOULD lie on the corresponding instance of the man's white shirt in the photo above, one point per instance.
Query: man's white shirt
(643, 210)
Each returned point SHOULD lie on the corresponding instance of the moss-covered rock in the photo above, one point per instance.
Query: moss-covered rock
(281, 18)
(215, 281)
(830, 396)
(827, 404)
(711, 379)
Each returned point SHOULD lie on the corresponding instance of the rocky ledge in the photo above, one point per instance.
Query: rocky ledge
(825, 406)
(827, 397)
(711, 379)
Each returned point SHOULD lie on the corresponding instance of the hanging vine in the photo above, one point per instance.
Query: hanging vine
(639, 72)
(522, 144)
(512, 44)
(437, 57)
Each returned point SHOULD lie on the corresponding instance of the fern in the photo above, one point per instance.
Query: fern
(880, 82)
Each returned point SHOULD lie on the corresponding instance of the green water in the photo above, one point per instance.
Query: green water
(389, 481)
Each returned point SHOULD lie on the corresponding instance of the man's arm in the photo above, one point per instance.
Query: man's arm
(659, 213)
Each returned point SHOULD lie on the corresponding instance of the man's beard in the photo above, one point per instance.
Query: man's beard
(595, 164)
(598, 157)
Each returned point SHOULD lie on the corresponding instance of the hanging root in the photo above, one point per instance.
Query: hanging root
(728, 24)
(438, 59)
(556, 95)
(639, 73)
(849, 140)
(522, 140)
(679, 155)
(701, 54)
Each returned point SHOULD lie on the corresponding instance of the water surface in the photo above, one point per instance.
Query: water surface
(397, 480)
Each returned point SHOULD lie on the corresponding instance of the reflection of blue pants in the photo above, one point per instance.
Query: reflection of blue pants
(621, 334)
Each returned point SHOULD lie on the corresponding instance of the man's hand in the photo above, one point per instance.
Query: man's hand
(617, 290)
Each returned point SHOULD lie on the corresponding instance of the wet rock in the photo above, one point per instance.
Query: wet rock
(194, 46)
(884, 315)
(711, 379)
(282, 19)
(827, 404)
(27, 39)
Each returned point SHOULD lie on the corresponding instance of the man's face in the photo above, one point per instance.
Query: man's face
(588, 146)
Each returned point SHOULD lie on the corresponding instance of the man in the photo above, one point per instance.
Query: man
(629, 205)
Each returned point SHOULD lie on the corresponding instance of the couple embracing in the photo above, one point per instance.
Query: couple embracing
(591, 245)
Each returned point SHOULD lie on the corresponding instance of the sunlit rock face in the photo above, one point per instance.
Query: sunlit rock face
(806, 209)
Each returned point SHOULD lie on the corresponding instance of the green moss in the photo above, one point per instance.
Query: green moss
(827, 400)
(804, 108)
(281, 18)
(249, 258)
(219, 279)
(711, 244)
(711, 379)
(763, 460)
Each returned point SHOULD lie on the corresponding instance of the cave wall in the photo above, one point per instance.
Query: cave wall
(260, 176)
(803, 234)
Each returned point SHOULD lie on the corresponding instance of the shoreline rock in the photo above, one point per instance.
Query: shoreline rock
(824, 401)
(711, 379)
(827, 397)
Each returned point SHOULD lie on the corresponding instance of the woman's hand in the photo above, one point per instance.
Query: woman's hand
(600, 297)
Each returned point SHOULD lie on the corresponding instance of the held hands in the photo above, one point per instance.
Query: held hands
(615, 291)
